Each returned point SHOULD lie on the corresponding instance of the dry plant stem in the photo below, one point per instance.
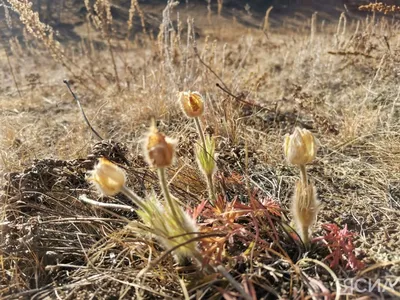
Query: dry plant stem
(134, 198)
(200, 132)
(234, 283)
(114, 63)
(12, 73)
(303, 175)
(167, 195)
(210, 183)
(82, 111)
(85, 199)
(211, 190)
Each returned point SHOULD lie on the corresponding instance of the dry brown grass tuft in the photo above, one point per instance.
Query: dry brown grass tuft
(380, 7)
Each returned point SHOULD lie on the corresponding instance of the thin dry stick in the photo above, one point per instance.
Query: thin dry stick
(82, 111)
(196, 52)
(377, 73)
(238, 98)
(234, 283)
(12, 73)
(85, 199)
(113, 62)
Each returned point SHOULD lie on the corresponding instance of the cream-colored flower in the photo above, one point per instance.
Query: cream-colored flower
(107, 177)
(300, 147)
(192, 104)
(159, 150)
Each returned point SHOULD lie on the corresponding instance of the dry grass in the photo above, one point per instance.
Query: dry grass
(337, 79)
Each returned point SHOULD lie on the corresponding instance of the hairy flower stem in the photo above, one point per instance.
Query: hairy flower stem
(303, 174)
(164, 186)
(304, 229)
(134, 198)
(200, 132)
(305, 237)
(211, 190)
(210, 183)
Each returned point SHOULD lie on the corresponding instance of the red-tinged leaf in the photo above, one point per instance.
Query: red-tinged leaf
(249, 288)
(197, 211)
(340, 243)
(228, 295)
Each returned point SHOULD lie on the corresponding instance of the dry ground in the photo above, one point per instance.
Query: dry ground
(337, 78)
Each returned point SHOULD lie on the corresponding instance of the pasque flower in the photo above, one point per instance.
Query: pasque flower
(108, 178)
(300, 147)
(192, 104)
(159, 150)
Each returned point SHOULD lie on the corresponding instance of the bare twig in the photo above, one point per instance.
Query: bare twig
(12, 71)
(85, 199)
(239, 98)
(196, 51)
(234, 283)
(82, 111)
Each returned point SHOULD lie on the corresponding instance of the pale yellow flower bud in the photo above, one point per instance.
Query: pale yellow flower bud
(300, 147)
(107, 177)
(159, 149)
(192, 104)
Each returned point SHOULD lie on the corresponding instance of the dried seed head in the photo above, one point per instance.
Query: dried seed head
(300, 147)
(192, 104)
(159, 149)
(305, 207)
(107, 177)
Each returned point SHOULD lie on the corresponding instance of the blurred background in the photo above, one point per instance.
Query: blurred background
(66, 15)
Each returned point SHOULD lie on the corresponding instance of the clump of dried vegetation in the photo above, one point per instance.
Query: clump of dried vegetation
(380, 7)
(201, 205)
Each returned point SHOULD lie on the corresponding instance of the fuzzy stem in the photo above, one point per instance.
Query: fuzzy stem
(303, 174)
(210, 183)
(134, 198)
(304, 236)
(200, 132)
(167, 195)
(211, 190)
